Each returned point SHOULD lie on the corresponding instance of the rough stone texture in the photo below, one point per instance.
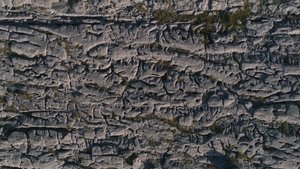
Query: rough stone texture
(105, 84)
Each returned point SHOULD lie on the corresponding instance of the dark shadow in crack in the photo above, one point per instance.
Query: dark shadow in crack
(219, 160)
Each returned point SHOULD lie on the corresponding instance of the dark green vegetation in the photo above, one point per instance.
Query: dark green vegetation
(288, 129)
(165, 16)
(207, 22)
(217, 128)
(140, 8)
(230, 21)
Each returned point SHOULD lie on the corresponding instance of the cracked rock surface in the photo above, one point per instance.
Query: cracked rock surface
(149, 84)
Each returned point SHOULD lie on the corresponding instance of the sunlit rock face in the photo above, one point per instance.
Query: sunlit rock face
(149, 84)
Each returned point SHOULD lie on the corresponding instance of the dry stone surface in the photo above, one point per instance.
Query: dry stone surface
(147, 84)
